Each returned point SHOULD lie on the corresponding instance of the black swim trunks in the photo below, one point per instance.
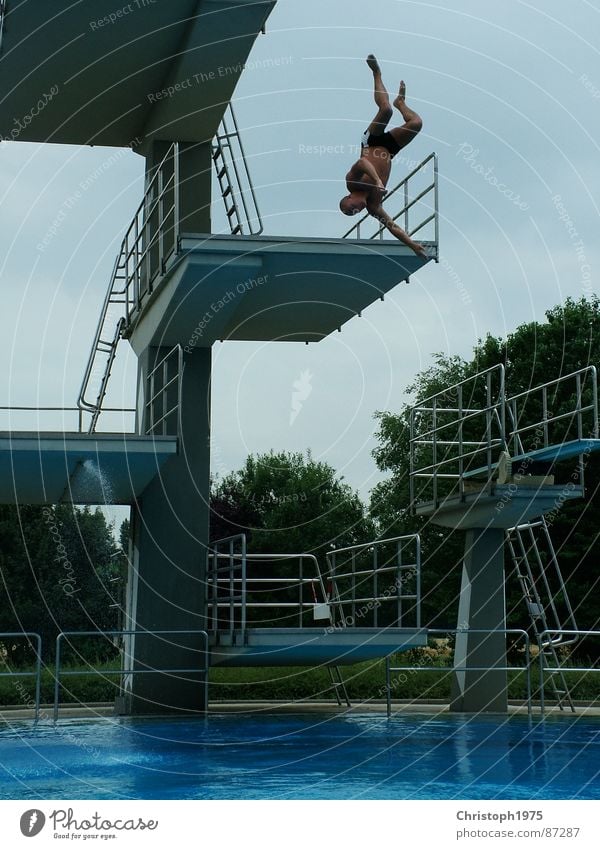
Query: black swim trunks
(385, 140)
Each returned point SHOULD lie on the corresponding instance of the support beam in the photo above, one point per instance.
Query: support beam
(166, 587)
(482, 606)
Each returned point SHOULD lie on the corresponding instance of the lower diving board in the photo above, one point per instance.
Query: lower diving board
(311, 646)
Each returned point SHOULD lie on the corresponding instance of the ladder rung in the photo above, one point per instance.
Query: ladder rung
(231, 211)
(222, 173)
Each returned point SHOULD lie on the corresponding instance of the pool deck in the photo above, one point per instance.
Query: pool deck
(106, 711)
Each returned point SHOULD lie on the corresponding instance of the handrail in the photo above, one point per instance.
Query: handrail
(159, 425)
(27, 635)
(409, 204)
(228, 137)
(580, 376)
(451, 669)
(2, 17)
(238, 589)
(123, 633)
(574, 632)
(78, 410)
(350, 598)
(452, 451)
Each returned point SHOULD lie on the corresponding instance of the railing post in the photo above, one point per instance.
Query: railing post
(244, 590)
(176, 197)
(436, 207)
(388, 687)
(57, 677)
(418, 579)
(38, 675)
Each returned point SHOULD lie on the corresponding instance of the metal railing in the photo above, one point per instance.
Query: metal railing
(234, 178)
(449, 670)
(239, 589)
(427, 197)
(560, 669)
(163, 407)
(81, 426)
(37, 674)
(360, 582)
(554, 413)
(2, 17)
(58, 674)
(454, 432)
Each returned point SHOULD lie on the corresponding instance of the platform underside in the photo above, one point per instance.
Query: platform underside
(504, 506)
(312, 646)
(264, 288)
(54, 468)
(109, 72)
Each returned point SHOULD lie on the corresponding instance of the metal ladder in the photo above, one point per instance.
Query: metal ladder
(235, 183)
(338, 685)
(243, 217)
(542, 584)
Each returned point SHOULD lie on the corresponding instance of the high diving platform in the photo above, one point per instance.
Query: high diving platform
(78, 468)
(266, 288)
(104, 72)
(158, 77)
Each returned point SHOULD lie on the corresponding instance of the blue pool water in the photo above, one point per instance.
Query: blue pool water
(303, 756)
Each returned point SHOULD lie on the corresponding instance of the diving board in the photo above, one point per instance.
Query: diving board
(76, 468)
(268, 288)
(549, 454)
(337, 646)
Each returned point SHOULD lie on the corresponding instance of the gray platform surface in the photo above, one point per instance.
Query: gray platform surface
(506, 506)
(50, 468)
(313, 646)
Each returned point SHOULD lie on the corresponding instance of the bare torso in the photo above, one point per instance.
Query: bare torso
(381, 162)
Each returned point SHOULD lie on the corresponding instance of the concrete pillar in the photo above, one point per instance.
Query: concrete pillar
(166, 586)
(482, 605)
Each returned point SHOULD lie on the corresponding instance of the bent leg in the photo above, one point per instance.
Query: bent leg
(382, 99)
(405, 134)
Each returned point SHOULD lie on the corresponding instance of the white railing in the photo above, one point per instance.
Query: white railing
(163, 407)
(456, 431)
(31, 637)
(466, 432)
(376, 584)
(69, 636)
(428, 666)
(552, 636)
(242, 593)
(420, 205)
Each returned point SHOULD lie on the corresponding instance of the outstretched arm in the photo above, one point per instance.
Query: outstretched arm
(378, 212)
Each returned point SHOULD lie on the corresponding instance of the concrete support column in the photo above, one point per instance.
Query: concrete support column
(166, 587)
(482, 605)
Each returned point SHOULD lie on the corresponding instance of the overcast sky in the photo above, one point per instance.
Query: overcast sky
(509, 94)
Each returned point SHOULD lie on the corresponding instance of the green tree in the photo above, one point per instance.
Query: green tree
(56, 571)
(288, 502)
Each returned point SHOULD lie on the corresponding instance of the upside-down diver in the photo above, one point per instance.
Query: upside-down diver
(368, 177)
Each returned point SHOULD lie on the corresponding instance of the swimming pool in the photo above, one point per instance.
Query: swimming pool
(303, 756)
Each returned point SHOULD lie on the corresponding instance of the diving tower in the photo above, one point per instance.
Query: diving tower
(159, 78)
(489, 463)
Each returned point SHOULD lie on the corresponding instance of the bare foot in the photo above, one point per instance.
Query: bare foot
(373, 64)
(401, 94)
